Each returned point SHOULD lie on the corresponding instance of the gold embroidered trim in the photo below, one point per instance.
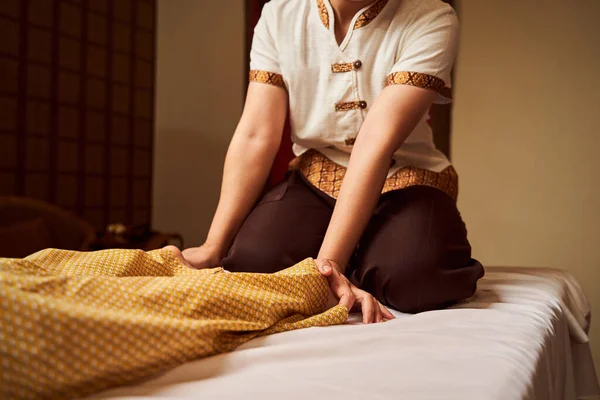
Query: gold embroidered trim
(419, 80)
(350, 105)
(363, 20)
(369, 15)
(345, 67)
(270, 78)
(323, 14)
(327, 176)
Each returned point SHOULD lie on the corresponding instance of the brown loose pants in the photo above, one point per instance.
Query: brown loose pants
(413, 256)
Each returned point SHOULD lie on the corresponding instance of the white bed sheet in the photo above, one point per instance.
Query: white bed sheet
(522, 336)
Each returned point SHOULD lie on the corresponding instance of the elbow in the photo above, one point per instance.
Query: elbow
(377, 146)
(263, 140)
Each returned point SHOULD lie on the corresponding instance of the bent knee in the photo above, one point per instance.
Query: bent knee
(252, 255)
(429, 285)
(247, 257)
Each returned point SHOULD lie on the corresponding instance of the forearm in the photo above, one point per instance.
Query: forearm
(247, 165)
(393, 117)
(358, 197)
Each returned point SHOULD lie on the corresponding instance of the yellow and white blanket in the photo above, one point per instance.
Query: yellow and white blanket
(76, 323)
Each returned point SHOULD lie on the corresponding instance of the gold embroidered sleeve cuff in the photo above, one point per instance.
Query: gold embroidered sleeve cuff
(419, 80)
(270, 78)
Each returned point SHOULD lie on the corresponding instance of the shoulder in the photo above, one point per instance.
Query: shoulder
(422, 13)
(286, 19)
(279, 10)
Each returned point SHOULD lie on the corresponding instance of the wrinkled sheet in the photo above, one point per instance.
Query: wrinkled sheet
(522, 336)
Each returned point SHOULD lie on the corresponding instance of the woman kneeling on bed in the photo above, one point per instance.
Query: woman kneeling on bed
(358, 78)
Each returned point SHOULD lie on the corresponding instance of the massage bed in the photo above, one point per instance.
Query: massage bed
(523, 335)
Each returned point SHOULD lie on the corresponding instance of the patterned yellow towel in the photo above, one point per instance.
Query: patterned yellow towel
(72, 323)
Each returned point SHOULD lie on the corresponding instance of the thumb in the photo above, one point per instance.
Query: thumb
(324, 266)
(175, 250)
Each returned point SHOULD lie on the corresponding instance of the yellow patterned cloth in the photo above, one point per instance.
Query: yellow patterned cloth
(73, 323)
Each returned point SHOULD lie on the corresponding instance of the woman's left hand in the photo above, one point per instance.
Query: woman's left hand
(349, 295)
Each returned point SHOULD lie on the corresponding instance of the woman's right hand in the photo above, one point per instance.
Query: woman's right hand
(205, 256)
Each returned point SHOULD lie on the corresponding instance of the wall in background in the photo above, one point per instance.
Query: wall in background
(526, 136)
(200, 91)
(76, 105)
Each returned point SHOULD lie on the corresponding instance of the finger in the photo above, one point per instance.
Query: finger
(342, 290)
(378, 315)
(386, 313)
(347, 300)
(324, 267)
(367, 304)
(338, 284)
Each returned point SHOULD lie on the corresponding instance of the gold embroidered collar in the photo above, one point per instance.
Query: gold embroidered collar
(363, 19)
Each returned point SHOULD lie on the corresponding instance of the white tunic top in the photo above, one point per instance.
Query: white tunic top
(331, 87)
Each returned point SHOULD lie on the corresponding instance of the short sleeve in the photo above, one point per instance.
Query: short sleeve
(264, 61)
(427, 54)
